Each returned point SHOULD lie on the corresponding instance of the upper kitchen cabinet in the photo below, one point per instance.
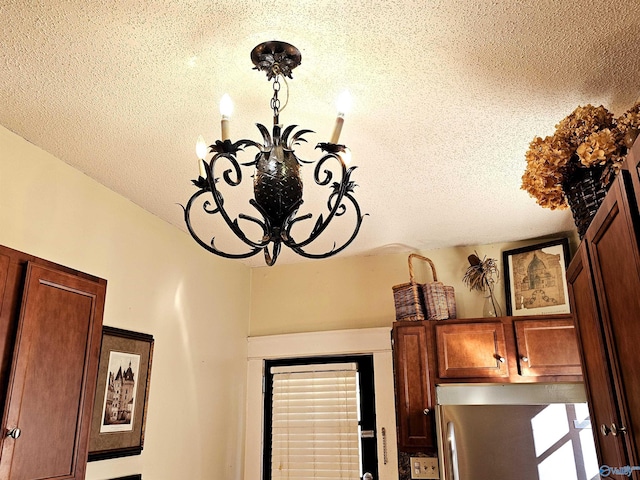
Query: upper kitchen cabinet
(541, 348)
(604, 286)
(50, 333)
(415, 389)
(547, 347)
(496, 350)
(471, 350)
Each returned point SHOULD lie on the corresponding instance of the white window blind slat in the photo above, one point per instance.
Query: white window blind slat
(315, 430)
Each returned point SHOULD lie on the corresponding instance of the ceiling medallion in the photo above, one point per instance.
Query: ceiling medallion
(277, 184)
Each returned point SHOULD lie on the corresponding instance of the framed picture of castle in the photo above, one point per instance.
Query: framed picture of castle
(535, 279)
(122, 391)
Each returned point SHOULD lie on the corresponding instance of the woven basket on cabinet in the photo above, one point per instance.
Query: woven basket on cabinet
(419, 301)
(585, 192)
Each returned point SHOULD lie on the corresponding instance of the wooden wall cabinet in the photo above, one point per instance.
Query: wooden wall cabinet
(471, 350)
(415, 389)
(547, 347)
(474, 351)
(604, 286)
(508, 349)
(50, 334)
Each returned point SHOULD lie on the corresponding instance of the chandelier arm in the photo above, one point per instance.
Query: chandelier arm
(321, 223)
(227, 173)
(328, 174)
(219, 201)
(265, 231)
(337, 209)
(210, 247)
(270, 259)
(297, 248)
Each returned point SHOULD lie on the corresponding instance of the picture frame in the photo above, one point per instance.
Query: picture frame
(535, 279)
(122, 393)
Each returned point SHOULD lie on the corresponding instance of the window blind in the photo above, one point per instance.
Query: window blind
(315, 431)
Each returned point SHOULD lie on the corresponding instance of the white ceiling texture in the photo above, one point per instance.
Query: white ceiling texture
(447, 95)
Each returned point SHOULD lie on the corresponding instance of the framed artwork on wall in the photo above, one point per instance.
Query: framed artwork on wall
(120, 407)
(535, 279)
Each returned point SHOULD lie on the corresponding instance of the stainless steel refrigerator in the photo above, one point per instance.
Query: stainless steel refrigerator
(508, 432)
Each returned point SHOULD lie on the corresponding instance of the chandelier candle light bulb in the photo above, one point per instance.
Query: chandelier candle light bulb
(344, 105)
(201, 151)
(226, 109)
(346, 156)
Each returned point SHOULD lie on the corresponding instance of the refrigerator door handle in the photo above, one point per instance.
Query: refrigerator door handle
(452, 451)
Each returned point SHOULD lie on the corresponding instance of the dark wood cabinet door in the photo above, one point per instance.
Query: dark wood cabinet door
(414, 387)
(547, 347)
(471, 350)
(603, 408)
(52, 381)
(615, 262)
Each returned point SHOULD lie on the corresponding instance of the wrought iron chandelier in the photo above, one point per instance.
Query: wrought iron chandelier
(277, 184)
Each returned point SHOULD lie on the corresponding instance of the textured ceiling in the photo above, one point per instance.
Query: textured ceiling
(447, 96)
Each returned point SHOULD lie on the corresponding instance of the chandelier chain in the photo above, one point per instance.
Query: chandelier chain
(275, 101)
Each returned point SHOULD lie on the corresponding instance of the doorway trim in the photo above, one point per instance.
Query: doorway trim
(374, 341)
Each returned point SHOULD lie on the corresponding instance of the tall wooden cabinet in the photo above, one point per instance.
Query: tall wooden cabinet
(604, 288)
(415, 388)
(50, 334)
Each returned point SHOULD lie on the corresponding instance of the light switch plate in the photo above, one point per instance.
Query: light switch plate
(424, 467)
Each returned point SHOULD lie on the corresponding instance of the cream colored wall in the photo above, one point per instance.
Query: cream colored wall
(159, 282)
(356, 292)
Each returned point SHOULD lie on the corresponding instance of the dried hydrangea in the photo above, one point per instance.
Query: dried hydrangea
(588, 137)
(628, 125)
(546, 159)
(629, 120)
(598, 148)
(576, 127)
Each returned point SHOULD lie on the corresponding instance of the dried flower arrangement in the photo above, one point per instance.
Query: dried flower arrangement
(588, 137)
(480, 277)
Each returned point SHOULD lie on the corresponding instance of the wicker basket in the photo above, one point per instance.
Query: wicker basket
(585, 192)
(451, 301)
(435, 299)
(417, 301)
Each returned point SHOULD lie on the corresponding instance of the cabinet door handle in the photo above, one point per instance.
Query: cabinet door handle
(525, 359)
(604, 429)
(500, 358)
(426, 411)
(384, 446)
(615, 430)
(14, 433)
